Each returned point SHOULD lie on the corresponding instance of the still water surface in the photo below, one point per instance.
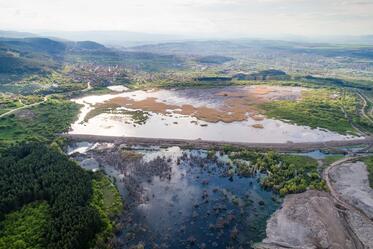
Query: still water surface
(177, 126)
(183, 199)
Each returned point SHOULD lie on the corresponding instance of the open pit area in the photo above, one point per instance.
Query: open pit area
(351, 182)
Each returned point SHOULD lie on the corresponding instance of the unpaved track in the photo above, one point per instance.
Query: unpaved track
(365, 104)
(23, 107)
(344, 205)
(89, 87)
(334, 193)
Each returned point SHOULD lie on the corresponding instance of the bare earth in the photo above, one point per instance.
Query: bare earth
(341, 219)
(205, 144)
(307, 220)
(351, 182)
(230, 104)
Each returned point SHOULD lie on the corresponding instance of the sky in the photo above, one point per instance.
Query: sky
(197, 17)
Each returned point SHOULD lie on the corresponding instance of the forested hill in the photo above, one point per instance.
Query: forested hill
(33, 173)
(28, 55)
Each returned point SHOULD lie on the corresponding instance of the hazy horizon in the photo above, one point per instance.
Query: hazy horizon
(209, 18)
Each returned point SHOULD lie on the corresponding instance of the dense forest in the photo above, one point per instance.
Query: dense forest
(34, 173)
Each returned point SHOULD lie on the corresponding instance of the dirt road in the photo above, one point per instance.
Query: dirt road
(347, 208)
(23, 107)
(333, 192)
(365, 104)
(204, 144)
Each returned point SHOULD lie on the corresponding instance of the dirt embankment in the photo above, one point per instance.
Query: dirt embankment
(350, 180)
(308, 220)
(342, 218)
(205, 144)
(350, 186)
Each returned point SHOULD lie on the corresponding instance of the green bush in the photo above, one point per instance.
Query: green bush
(25, 228)
(333, 110)
(283, 173)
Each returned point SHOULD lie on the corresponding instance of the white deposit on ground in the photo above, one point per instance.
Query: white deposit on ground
(118, 88)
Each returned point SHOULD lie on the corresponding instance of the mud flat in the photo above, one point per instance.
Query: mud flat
(226, 114)
(350, 180)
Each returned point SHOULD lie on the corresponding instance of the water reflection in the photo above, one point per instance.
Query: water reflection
(184, 199)
(177, 126)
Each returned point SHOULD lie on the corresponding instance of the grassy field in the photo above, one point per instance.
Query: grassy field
(7, 104)
(335, 111)
(39, 123)
(25, 228)
(10, 102)
(331, 159)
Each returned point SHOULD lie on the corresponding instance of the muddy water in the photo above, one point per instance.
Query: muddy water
(229, 103)
(183, 198)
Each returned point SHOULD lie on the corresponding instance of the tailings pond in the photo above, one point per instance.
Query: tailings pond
(178, 198)
(216, 114)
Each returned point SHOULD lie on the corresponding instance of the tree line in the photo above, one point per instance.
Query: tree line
(34, 172)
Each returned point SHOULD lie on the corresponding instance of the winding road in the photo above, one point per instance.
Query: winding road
(365, 104)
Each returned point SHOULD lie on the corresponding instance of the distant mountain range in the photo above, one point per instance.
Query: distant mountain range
(337, 39)
(114, 38)
(37, 54)
(128, 39)
(16, 34)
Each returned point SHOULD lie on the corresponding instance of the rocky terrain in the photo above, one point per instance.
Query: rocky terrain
(351, 183)
(339, 219)
(307, 220)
